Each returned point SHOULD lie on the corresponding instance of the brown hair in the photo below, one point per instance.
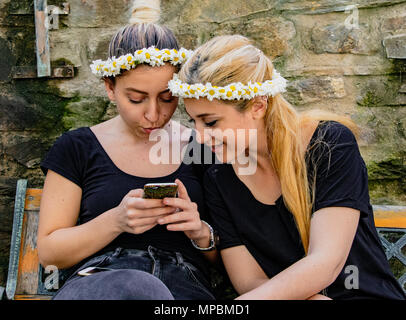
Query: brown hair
(142, 31)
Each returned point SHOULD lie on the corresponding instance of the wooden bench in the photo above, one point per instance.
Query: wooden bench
(26, 277)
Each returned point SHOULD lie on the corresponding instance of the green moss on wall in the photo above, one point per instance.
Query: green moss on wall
(387, 183)
(47, 100)
(370, 99)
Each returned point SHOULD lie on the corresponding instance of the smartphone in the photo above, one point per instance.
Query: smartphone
(92, 270)
(160, 190)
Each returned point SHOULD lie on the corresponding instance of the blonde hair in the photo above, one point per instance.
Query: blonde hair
(227, 59)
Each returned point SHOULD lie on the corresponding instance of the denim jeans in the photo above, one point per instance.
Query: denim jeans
(137, 275)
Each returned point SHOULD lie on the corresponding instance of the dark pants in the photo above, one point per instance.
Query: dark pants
(138, 275)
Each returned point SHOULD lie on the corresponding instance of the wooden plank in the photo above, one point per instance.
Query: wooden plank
(33, 199)
(390, 216)
(32, 297)
(27, 281)
(16, 239)
(42, 39)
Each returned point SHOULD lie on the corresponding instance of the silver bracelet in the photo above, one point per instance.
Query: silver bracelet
(212, 244)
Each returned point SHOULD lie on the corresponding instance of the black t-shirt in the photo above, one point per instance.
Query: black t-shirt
(269, 231)
(78, 156)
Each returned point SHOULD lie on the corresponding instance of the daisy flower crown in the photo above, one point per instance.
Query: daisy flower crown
(234, 91)
(152, 56)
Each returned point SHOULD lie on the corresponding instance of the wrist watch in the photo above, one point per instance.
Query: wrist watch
(213, 240)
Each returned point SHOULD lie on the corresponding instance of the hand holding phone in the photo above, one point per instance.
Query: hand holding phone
(140, 209)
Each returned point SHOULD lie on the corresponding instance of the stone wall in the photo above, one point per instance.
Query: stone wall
(331, 62)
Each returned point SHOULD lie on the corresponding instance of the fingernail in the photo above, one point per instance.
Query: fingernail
(160, 221)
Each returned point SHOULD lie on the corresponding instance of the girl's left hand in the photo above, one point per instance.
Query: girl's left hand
(187, 217)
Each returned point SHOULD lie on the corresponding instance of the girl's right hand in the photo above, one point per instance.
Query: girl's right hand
(137, 215)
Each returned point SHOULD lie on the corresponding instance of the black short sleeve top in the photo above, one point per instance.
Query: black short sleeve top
(269, 231)
(78, 156)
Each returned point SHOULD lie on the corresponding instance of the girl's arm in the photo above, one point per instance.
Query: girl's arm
(63, 244)
(332, 232)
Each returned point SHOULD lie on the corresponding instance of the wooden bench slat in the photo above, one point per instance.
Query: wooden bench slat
(390, 216)
(33, 199)
(32, 297)
(27, 282)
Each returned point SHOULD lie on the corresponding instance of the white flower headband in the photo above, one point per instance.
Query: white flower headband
(234, 91)
(152, 56)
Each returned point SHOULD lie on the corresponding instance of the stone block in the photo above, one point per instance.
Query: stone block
(310, 90)
(110, 112)
(270, 34)
(338, 38)
(25, 149)
(381, 91)
(7, 60)
(395, 46)
(17, 114)
(97, 13)
(394, 24)
(328, 6)
(8, 186)
(210, 11)
(65, 45)
(98, 43)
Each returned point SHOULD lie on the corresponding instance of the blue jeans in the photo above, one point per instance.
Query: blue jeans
(137, 275)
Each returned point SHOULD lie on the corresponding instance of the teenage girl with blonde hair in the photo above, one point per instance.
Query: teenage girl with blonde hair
(93, 214)
(301, 225)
